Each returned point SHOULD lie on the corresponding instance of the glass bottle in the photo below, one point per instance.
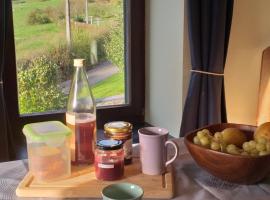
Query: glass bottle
(81, 117)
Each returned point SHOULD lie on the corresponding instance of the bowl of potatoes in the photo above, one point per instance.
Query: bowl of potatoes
(232, 152)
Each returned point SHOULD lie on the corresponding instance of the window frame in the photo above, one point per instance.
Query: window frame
(135, 81)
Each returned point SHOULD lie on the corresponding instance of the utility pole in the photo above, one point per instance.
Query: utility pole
(68, 28)
(86, 12)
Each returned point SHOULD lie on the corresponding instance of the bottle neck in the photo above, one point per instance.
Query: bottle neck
(80, 74)
(80, 97)
(81, 68)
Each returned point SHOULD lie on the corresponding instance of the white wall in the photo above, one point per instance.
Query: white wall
(164, 63)
(167, 61)
(250, 35)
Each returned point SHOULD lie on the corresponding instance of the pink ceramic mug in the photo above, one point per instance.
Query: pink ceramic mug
(153, 150)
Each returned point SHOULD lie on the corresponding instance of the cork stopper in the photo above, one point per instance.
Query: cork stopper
(79, 62)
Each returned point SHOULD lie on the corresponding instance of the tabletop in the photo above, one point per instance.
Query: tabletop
(191, 182)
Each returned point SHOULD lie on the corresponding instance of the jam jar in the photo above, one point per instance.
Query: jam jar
(120, 130)
(109, 160)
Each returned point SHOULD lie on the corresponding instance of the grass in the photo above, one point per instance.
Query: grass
(113, 85)
(33, 38)
(38, 38)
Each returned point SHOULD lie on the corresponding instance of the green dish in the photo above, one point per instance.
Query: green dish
(122, 191)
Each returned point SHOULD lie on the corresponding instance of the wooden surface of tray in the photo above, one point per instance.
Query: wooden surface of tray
(83, 184)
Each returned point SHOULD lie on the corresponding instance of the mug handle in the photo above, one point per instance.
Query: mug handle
(176, 151)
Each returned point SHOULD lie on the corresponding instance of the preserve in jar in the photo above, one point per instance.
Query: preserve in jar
(48, 150)
(120, 130)
(109, 160)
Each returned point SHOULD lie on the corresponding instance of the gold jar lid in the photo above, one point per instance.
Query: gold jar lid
(118, 127)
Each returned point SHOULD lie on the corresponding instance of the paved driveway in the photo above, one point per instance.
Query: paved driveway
(99, 73)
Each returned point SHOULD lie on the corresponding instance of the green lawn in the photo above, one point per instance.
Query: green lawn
(110, 87)
(34, 38)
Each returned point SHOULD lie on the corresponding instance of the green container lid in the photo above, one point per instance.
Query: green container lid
(46, 131)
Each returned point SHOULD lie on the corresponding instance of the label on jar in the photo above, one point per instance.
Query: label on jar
(128, 148)
(105, 166)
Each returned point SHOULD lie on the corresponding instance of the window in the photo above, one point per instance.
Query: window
(50, 34)
(132, 107)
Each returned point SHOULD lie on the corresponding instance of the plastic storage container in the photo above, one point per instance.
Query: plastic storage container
(109, 160)
(48, 150)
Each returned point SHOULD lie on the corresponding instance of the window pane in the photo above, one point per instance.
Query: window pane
(45, 50)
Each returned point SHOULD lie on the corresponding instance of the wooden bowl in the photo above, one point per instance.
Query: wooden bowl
(233, 168)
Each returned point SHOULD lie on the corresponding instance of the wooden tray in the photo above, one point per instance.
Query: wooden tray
(83, 183)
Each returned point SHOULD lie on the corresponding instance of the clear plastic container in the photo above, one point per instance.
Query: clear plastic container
(48, 150)
(109, 160)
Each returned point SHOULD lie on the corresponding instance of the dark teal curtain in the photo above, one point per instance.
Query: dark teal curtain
(209, 23)
(6, 147)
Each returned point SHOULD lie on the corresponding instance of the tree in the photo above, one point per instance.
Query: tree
(114, 41)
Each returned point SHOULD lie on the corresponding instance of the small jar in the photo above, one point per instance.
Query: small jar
(120, 130)
(109, 160)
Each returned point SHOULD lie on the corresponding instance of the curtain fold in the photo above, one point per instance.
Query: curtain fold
(209, 30)
(6, 148)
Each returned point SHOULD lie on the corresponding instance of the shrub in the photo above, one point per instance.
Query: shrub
(53, 13)
(79, 18)
(81, 45)
(38, 16)
(63, 58)
(102, 56)
(23, 64)
(39, 89)
(114, 46)
(114, 40)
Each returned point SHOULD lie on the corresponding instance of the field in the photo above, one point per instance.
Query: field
(115, 83)
(33, 40)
